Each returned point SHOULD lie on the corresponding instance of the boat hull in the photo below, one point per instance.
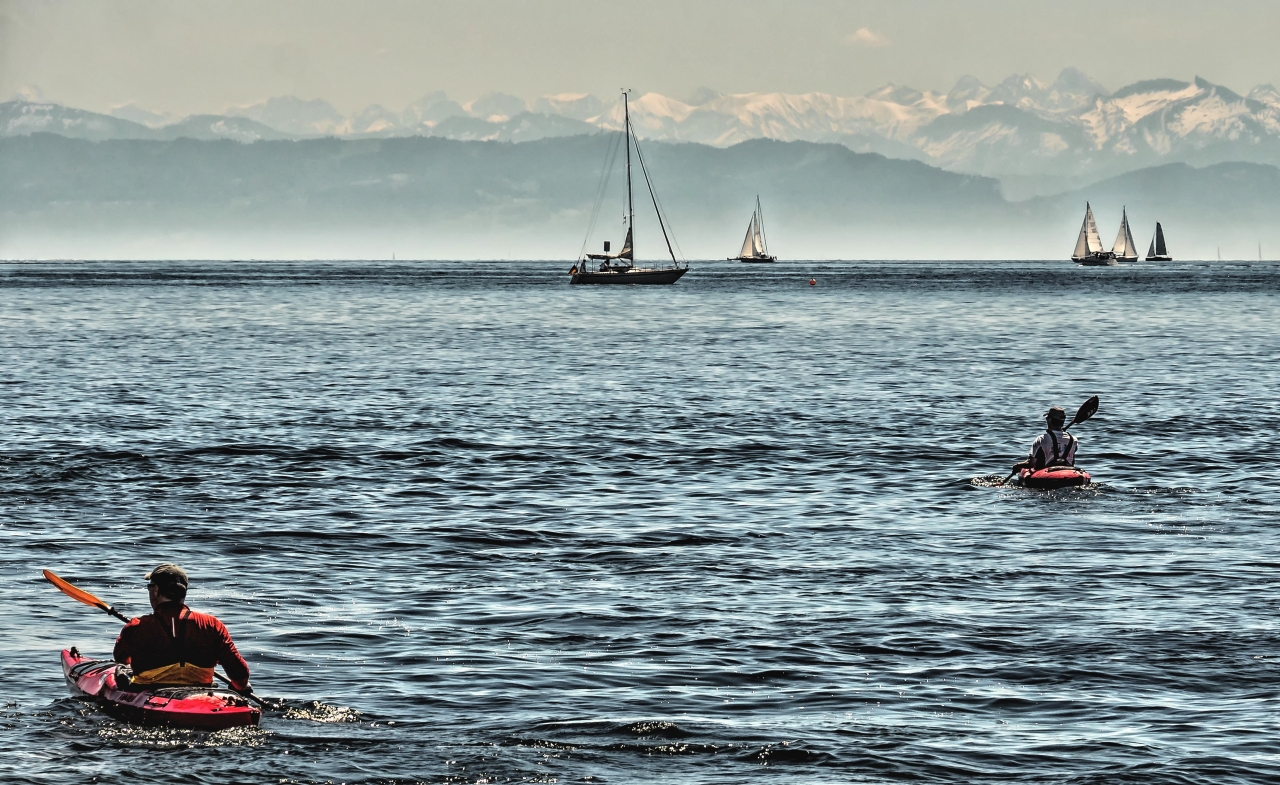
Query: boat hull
(1053, 477)
(633, 276)
(1096, 261)
(754, 259)
(1159, 258)
(202, 708)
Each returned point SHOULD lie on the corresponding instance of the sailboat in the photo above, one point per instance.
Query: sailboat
(1157, 252)
(621, 267)
(1089, 244)
(1124, 250)
(754, 246)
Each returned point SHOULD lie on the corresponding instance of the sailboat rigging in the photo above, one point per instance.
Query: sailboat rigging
(755, 247)
(1157, 252)
(1124, 250)
(621, 267)
(1089, 245)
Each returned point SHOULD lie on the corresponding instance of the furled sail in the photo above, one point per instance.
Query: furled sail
(626, 252)
(749, 242)
(1160, 249)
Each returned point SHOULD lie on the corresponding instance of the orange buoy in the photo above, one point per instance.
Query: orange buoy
(813, 281)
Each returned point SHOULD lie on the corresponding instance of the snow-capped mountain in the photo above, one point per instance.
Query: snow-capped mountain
(294, 116)
(1020, 128)
(21, 118)
(136, 114)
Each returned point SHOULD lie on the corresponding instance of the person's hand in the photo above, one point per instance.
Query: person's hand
(246, 690)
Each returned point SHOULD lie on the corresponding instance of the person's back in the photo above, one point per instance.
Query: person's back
(176, 645)
(1054, 447)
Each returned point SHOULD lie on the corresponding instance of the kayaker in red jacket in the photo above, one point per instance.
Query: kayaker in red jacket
(176, 645)
(1054, 447)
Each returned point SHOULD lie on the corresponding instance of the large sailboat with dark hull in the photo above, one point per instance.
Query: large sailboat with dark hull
(1089, 250)
(620, 267)
(755, 247)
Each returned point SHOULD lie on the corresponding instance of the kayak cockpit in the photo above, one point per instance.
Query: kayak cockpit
(1052, 477)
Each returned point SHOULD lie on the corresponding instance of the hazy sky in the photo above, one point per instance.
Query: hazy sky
(184, 56)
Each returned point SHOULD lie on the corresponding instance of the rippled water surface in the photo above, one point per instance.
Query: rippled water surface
(472, 524)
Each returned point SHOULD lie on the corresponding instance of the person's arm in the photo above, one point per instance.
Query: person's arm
(1037, 458)
(229, 657)
(123, 651)
(1032, 455)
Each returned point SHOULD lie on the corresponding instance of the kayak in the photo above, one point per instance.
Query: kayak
(1052, 477)
(203, 708)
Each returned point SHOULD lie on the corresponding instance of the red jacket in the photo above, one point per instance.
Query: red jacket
(162, 638)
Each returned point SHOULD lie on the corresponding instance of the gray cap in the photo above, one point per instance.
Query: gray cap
(1056, 413)
(168, 575)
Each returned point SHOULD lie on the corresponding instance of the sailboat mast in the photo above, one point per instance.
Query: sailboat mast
(631, 210)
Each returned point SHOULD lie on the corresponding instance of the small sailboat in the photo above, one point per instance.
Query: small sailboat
(755, 247)
(1089, 245)
(621, 267)
(1157, 252)
(1124, 250)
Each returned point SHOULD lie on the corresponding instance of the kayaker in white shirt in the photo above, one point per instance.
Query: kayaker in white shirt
(1054, 447)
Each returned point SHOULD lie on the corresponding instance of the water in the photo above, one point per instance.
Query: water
(471, 524)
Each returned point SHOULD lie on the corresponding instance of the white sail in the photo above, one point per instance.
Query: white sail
(1124, 247)
(1082, 242)
(749, 242)
(759, 238)
(1094, 241)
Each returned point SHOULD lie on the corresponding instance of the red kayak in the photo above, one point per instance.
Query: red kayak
(1052, 477)
(204, 708)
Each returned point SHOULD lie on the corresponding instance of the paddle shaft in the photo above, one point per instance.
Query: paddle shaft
(104, 607)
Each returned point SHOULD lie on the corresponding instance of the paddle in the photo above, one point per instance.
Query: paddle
(1086, 410)
(80, 595)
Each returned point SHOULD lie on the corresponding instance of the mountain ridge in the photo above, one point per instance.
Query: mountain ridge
(335, 198)
(1066, 130)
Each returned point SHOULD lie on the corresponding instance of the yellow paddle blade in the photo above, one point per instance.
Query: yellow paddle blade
(77, 594)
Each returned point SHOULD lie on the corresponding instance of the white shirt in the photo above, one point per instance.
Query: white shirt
(1041, 453)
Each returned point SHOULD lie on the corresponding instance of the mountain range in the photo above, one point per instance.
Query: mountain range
(432, 197)
(1037, 138)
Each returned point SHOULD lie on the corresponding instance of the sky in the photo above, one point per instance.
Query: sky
(185, 56)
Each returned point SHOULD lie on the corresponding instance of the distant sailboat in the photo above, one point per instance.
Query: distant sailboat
(1124, 250)
(1157, 252)
(620, 267)
(754, 246)
(1089, 244)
